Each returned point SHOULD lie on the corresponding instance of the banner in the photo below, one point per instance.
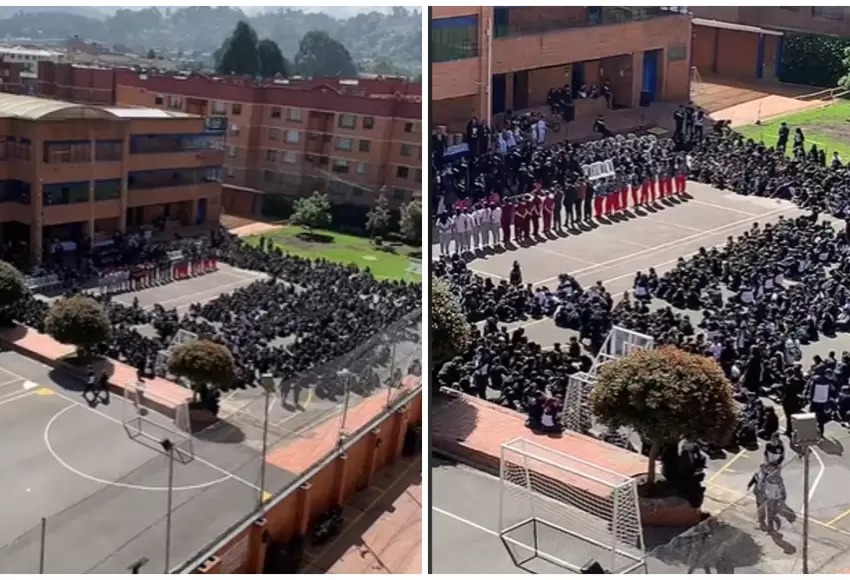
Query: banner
(599, 170)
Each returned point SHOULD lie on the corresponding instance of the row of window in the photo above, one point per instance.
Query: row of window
(81, 151)
(12, 148)
(175, 143)
(334, 187)
(67, 193)
(454, 38)
(173, 177)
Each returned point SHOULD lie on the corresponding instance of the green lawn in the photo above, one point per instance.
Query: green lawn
(828, 128)
(345, 249)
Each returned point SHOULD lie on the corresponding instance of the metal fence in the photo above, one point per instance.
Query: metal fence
(731, 541)
(165, 514)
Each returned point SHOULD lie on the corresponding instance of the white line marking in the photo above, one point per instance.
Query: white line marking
(818, 477)
(114, 420)
(17, 396)
(101, 481)
(673, 225)
(655, 249)
(560, 255)
(7, 383)
(723, 207)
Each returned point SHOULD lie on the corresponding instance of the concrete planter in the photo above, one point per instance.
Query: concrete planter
(668, 512)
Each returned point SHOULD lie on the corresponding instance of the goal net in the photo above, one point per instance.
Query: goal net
(578, 416)
(145, 425)
(567, 511)
(619, 343)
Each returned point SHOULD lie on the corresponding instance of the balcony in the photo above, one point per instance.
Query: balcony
(535, 21)
(177, 193)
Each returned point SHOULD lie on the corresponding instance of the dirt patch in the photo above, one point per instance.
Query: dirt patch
(253, 228)
(836, 131)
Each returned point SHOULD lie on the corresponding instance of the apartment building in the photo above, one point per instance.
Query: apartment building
(71, 172)
(830, 20)
(485, 60)
(349, 139)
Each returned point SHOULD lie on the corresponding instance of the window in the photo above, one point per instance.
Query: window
(410, 127)
(365, 146)
(234, 130)
(358, 192)
(107, 189)
(344, 143)
(231, 151)
(108, 150)
(418, 176)
(339, 166)
(219, 108)
(271, 155)
(275, 112)
(406, 150)
(347, 121)
(158, 100)
(14, 191)
(175, 102)
(362, 168)
(174, 143)
(828, 12)
(368, 122)
(294, 115)
(268, 175)
(229, 172)
(273, 134)
(454, 38)
(67, 152)
(173, 177)
(291, 136)
(402, 172)
(235, 109)
(288, 157)
(66, 193)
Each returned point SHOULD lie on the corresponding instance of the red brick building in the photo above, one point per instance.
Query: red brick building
(738, 51)
(485, 60)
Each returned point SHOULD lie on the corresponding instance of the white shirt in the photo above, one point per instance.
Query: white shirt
(447, 226)
(481, 216)
(461, 223)
(496, 215)
(820, 393)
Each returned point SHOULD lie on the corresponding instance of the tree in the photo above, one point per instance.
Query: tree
(319, 55)
(451, 334)
(312, 212)
(813, 59)
(271, 58)
(151, 54)
(666, 395)
(80, 321)
(12, 290)
(208, 366)
(239, 54)
(378, 218)
(411, 222)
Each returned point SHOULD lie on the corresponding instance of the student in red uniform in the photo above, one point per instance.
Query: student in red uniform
(536, 210)
(681, 178)
(548, 212)
(598, 199)
(622, 183)
(644, 185)
(653, 178)
(520, 220)
(507, 220)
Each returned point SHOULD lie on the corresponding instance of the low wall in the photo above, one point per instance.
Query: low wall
(378, 443)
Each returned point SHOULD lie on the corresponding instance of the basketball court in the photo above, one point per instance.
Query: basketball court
(99, 476)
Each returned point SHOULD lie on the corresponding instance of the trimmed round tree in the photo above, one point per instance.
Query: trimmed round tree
(80, 321)
(666, 395)
(207, 365)
(12, 290)
(450, 331)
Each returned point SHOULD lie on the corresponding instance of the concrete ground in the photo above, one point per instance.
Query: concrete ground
(612, 254)
(103, 494)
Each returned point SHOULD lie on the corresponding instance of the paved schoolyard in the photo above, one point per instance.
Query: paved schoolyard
(612, 254)
(182, 294)
(104, 494)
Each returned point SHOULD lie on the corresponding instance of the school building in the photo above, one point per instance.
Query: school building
(486, 60)
(71, 172)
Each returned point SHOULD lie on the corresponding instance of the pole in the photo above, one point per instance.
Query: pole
(43, 542)
(805, 554)
(262, 490)
(392, 376)
(168, 514)
(345, 407)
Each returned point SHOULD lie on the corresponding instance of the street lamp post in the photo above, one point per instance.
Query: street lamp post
(806, 435)
(168, 447)
(345, 375)
(267, 382)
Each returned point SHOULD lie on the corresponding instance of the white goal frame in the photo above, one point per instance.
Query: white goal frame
(146, 426)
(619, 343)
(553, 487)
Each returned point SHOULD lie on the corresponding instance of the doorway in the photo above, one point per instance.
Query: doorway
(520, 90)
(499, 85)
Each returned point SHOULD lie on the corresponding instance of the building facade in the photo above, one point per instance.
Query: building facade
(72, 172)
(349, 139)
(485, 60)
(831, 20)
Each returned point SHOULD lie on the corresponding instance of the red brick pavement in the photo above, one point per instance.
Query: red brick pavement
(473, 430)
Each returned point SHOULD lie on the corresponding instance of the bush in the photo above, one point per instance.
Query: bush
(411, 222)
(80, 321)
(204, 364)
(12, 290)
(666, 395)
(450, 332)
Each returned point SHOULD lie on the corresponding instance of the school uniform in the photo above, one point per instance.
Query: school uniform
(444, 233)
(495, 219)
(548, 212)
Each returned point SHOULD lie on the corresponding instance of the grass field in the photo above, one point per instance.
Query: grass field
(828, 128)
(344, 249)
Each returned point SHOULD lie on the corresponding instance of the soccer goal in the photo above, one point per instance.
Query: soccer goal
(145, 425)
(619, 343)
(567, 511)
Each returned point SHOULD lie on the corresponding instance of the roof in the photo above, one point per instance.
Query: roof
(143, 113)
(734, 26)
(34, 109)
